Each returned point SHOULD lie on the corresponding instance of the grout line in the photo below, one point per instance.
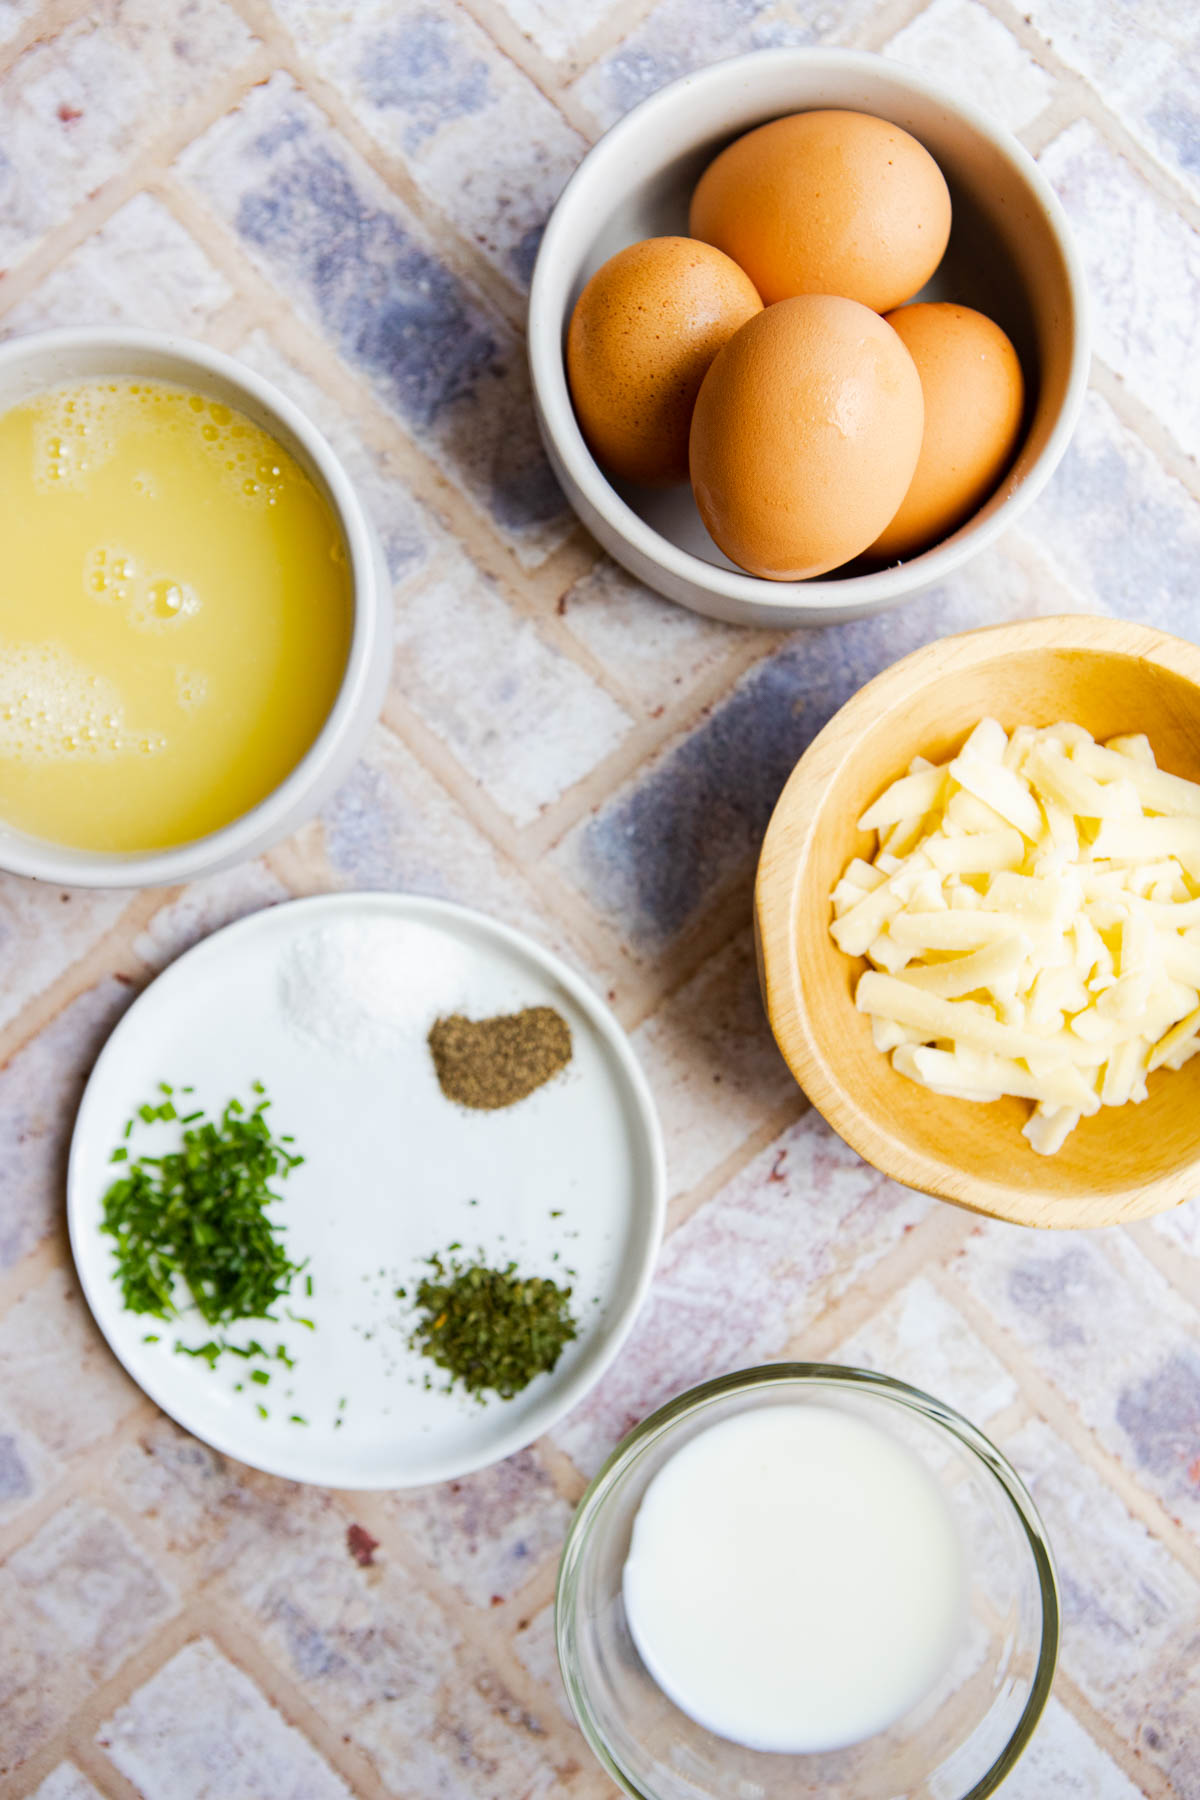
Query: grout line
(96, 210)
(1175, 1266)
(1077, 90)
(235, 1637)
(554, 83)
(1138, 418)
(102, 1699)
(460, 252)
(76, 1478)
(1050, 1405)
(1146, 1778)
(935, 1238)
(474, 1624)
(111, 955)
(50, 21)
(104, 1775)
(887, 21)
(653, 739)
(52, 1253)
(685, 1205)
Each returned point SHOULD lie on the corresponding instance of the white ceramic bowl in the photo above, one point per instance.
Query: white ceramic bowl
(1010, 255)
(28, 365)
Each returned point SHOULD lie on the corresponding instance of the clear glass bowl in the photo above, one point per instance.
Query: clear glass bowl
(958, 1743)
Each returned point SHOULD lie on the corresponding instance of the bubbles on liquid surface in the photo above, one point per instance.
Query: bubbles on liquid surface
(52, 709)
(191, 689)
(109, 574)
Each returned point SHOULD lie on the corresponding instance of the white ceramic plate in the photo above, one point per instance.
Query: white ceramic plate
(394, 1172)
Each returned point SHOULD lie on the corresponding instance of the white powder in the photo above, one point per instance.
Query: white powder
(360, 989)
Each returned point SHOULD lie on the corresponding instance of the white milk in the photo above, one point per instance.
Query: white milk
(795, 1579)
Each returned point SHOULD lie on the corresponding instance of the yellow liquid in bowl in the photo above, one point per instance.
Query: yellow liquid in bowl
(175, 615)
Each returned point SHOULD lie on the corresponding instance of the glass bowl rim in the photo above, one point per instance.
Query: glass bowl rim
(833, 1375)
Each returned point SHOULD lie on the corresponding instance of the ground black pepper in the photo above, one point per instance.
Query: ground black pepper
(490, 1063)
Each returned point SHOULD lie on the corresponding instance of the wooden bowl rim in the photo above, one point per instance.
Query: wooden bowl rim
(775, 900)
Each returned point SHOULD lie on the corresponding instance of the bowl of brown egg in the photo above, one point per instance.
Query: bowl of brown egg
(805, 333)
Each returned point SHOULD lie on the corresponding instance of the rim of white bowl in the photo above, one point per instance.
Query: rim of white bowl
(854, 594)
(22, 854)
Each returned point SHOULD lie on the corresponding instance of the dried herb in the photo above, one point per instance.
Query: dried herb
(196, 1216)
(491, 1329)
(489, 1063)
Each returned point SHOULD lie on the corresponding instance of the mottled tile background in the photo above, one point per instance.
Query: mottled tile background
(349, 196)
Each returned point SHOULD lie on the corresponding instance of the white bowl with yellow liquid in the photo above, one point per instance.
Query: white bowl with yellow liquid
(270, 797)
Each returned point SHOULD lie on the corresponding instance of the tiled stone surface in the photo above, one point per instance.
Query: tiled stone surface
(39, 1090)
(691, 822)
(26, 1468)
(959, 43)
(362, 269)
(924, 1340)
(479, 138)
(682, 35)
(656, 651)
(1100, 1322)
(1145, 64)
(56, 1372)
(488, 1533)
(494, 690)
(1117, 528)
(66, 1783)
(739, 1279)
(43, 930)
(359, 225)
(141, 268)
(81, 106)
(1130, 1613)
(84, 1574)
(1143, 264)
(713, 1065)
(201, 1727)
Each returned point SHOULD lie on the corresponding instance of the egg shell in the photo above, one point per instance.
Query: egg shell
(641, 338)
(827, 202)
(974, 402)
(805, 436)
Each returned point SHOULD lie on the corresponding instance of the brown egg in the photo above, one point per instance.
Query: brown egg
(642, 335)
(805, 436)
(974, 401)
(827, 203)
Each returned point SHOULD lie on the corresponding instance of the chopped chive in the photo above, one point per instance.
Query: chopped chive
(308, 1286)
(295, 1317)
(295, 1419)
(151, 1337)
(261, 1376)
(120, 1154)
(262, 1412)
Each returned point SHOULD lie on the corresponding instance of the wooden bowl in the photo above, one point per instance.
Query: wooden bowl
(1125, 1162)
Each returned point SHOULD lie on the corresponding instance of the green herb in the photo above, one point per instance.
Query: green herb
(197, 1216)
(151, 1337)
(262, 1412)
(210, 1351)
(120, 1154)
(308, 1286)
(490, 1328)
(295, 1419)
(296, 1319)
(261, 1376)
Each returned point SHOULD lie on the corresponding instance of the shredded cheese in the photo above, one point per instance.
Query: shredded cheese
(1032, 915)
